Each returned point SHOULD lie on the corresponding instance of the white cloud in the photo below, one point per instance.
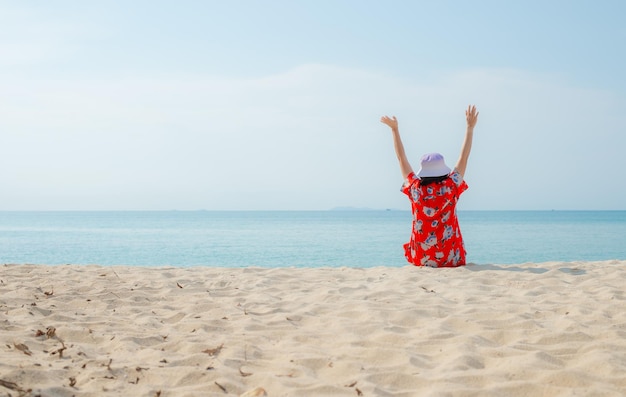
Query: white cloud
(306, 138)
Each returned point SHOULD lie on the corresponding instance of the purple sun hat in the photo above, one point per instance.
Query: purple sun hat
(432, 164)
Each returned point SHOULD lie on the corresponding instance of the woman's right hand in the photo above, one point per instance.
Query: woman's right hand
(471, 115)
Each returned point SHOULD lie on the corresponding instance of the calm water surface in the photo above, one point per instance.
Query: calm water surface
(298, 238)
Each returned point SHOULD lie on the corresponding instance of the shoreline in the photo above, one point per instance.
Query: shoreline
(550, 328)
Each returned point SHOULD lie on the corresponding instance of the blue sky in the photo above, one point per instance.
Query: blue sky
(227, 105)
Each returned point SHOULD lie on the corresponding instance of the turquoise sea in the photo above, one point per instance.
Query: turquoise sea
(298, 238)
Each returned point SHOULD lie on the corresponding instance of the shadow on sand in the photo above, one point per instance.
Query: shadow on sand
(512, 268)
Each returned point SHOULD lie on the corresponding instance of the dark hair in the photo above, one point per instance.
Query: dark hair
(427, 180)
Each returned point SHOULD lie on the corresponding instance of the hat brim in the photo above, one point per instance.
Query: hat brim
(433, 172)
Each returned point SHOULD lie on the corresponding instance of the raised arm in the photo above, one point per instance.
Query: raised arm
(471, 115)
(405, 167)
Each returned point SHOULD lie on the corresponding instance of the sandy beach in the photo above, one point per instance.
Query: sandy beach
(538, 329)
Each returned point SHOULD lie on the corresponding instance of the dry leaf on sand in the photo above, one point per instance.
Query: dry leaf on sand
(215, 351)
(256, 392)
(23, 348)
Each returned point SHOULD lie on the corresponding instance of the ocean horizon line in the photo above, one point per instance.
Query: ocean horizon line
(334, 209)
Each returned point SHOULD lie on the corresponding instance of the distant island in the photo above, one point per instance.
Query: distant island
(361, 209)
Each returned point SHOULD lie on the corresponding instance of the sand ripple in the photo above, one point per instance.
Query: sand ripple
(549, 329)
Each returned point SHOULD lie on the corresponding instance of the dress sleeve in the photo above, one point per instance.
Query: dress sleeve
(410, 180)
(459, 182)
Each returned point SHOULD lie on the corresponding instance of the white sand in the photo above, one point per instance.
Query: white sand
(547, 329)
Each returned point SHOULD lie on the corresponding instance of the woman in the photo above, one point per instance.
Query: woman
(436, 239)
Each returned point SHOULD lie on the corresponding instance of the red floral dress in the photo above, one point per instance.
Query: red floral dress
(436, 239)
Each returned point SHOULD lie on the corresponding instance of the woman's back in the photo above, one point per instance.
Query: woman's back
(436, 238)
